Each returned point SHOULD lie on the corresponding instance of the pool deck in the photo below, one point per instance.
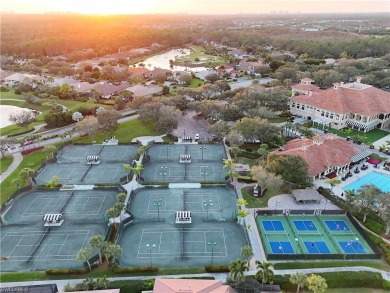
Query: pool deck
(338, 191)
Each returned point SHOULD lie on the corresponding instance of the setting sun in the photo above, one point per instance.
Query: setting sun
(112, 7)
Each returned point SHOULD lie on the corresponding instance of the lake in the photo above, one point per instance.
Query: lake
(162, 61)
(5, 111)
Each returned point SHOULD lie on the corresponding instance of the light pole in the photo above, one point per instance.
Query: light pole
(164, 172)
(157, 203)
(167, 148)
(212, 245)
(204, 176)
(150, 247)
(208, 204)
(297, 246)
(202, 148)
(203, 170)
(276, 203)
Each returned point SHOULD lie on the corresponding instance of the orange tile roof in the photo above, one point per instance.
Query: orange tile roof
(190, 286)
(321, 152)
(351, 98)
(138, 71)
(305, 87)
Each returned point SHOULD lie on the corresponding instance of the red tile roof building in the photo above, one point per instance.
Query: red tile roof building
(323, 154)
(359, 106)
(190, 286)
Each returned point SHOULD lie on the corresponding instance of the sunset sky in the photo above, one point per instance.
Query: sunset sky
(191, 6)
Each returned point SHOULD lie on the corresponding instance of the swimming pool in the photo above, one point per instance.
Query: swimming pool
(382, 181)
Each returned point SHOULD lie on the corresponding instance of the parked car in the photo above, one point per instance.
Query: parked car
(197, 136)
(28, 142)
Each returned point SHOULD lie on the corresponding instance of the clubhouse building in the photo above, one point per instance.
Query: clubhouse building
(355, 105)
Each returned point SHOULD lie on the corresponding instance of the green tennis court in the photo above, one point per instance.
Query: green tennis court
(211, 237)
(31, 207)
(82, 174)
(175, 172)
(311, 237)
(32, 247)
(199, 152)
(107, 153)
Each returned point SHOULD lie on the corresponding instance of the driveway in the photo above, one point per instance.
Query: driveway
(189, 126)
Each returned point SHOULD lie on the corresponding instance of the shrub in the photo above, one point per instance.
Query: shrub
(216, 269)
(65, 271)
(128, 270)
(386, 285)
(353, 279)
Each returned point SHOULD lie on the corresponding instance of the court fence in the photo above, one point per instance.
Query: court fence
(299, 212)
(14, 195)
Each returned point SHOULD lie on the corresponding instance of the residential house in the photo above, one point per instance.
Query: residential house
(249, 67)
(159, 72)
(357, 105)
(58, 81)
(139, 72)
(82, 87)
(238, 53)
(190, 286)
(5, 73)
(325, 154)
(107, 90)
(15, 79)
(140, 90)
(305, 87)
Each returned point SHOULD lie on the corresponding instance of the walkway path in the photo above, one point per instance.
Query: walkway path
(15, 163)
(220, 276)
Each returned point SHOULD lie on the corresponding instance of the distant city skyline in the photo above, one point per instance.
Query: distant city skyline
(194, 6)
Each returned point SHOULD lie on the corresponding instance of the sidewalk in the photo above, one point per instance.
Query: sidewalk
(16, 162)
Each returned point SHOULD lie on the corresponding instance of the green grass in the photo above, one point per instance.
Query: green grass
(195, 82)
(124, 133)
(376, 264)
(40, 276)
(32, 160)
(370, 136)
(5, 162)
(355, 290)
(243, 160)
(260, 202)
(199, 52)
(376, 156)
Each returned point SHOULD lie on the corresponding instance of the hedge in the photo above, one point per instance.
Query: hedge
(66, 271)
(385, 248)
(216, 269)
(128, 270)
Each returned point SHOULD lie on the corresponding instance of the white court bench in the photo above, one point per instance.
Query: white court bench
(183, 217)
(185, 158)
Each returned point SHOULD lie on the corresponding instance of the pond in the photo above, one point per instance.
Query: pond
(162, 61)
(5, 111)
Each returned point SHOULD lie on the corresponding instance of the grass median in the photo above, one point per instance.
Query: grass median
(5, 162)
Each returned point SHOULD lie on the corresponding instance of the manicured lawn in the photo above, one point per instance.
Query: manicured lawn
(369, 137)
(376, 264)
(243, 160)
(198, 52)
(5, 162)
(44, 108)
(355, 290)
(260, 202)
(33, 161)
(195, 82)
(125, 132)
(40, 276)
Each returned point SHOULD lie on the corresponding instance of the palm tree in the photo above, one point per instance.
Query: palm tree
(84, 255)
(25, 174)
(237, 269)
(241, 214)
(298, 279)
(241, 202)
(264, 271)
(97, 242)
(228, 164)
(17, 182)
(112, 250)
(121, 197)
(142, 149)
(332, 182)
(247, 252)
(137, 169)
(49, 150)
(112, 212)
(235, 151)
(127, 168)
(53, 182)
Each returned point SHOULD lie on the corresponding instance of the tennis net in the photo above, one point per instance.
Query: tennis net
(185, 171)
(184, 201)
(66, 202)
(311, 234)
(38, 244)
(286, 235)
(182, 243)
